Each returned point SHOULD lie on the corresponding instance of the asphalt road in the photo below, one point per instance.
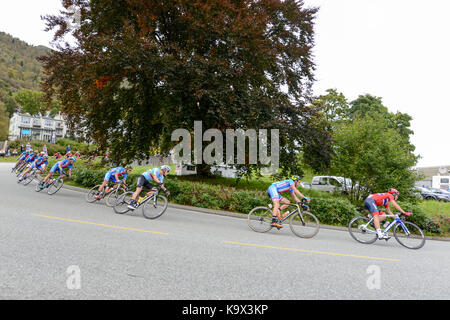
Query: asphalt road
(60, 247)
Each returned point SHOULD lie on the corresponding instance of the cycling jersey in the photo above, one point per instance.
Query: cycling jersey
(23, 156)
(382, 199)
(282, 186)
(30, 158)
(150, 174)
(379, 199)
(111, 175)
(64, 165)
(39, 163)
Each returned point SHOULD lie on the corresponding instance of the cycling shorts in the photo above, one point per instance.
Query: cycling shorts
(143, 182)
(371, 205)
(273, 193)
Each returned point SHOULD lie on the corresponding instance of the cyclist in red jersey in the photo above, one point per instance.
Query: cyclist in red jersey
(382, 199)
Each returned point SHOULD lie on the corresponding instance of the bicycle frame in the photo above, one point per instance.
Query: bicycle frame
(298, 209)
(148, 198)
(396, 221)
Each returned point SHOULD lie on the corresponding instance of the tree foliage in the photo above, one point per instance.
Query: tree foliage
(373, 155)
(141, 69)
(4, 122)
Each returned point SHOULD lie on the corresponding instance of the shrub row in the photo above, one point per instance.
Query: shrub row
(332, 211)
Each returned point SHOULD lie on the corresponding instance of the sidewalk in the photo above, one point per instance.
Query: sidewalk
(237, 215)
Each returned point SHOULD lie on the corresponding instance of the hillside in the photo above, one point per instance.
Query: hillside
(18, 65)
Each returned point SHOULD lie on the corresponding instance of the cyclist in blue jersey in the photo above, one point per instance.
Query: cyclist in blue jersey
(274, 193)
(154, 175)
(61, 166)
(21, 159)
(29, 158)
(116, 175)
(40, 164)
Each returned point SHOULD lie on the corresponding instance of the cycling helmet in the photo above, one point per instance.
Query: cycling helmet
(165, 168)
(73, 159)
(393, 191)
(296, 178)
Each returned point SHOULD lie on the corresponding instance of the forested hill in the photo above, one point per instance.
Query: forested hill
(18, 65)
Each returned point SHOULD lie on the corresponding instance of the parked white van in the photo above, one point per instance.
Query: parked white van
(331, 183)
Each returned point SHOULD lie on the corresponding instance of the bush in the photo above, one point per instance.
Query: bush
(87, 177)
(419, 218)
(333, 211)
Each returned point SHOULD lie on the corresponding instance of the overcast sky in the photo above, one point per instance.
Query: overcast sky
(394, 49)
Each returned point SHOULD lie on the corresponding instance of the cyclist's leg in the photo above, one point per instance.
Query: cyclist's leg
(105, 182)
(50, 174)
(141, 182)
(103, 185)
(375, 212)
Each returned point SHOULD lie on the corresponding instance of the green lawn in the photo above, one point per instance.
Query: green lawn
(436, 207)
(8, 159)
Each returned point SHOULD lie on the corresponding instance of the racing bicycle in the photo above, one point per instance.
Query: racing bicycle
(109, 194)
(303, 223)
(406, 233)
(53, 186)
(153, 205)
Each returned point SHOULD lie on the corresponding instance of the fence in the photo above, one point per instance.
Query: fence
(154, 161)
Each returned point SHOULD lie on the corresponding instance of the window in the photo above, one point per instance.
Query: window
(323, 181)
(48, 123)
(26, 119)
(444, 180)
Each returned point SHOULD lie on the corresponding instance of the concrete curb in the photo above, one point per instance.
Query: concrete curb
(237, 215)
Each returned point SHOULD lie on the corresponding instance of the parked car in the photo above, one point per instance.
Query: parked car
(305, 185)
(331, 183)
(442, 195)
(433, 194)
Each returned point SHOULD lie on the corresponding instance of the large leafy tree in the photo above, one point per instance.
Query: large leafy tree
(30, 101)
(373, 155)
(141, 69)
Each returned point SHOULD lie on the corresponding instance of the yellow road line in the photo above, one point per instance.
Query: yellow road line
(310, 251)
(98, 224)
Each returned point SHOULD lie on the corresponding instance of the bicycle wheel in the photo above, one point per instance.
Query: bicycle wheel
(90, 196)
(38, 188)
(19, 172)
(360, 230)
(409, 235)
(304, 224)
(30, 178)
(112, 197)
(55, 186)
(155, 207)
(121, 205)
(260, 219)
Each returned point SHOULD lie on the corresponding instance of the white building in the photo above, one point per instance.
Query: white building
(43, 128)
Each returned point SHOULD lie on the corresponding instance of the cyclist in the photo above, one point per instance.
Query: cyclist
(382, 199)
(274, 193)
(21, 159)
(40, 164)
(157, 175)
(116, 175)
(30, 158)
(59, 166)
